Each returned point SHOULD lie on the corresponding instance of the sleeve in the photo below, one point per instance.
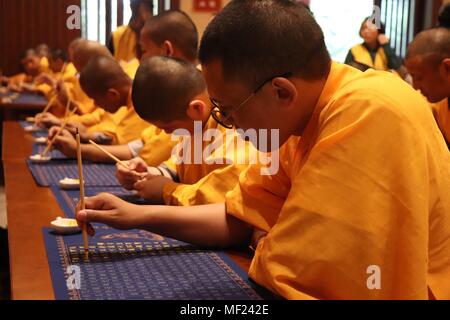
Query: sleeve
(135, 147)
(257, 199)
(353, 205)
(210, 189)
(157, 146)
(90, 119)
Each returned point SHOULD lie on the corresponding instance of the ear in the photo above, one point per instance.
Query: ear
(446, 66)
(197, 110)
(284, 91)
(113, 94)
(168, 48)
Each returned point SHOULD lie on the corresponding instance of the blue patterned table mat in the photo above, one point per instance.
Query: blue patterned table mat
(95, 174)
(139, 265)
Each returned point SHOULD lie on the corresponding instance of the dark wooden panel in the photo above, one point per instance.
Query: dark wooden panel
(27, 23)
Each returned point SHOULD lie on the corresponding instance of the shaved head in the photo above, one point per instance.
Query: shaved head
(102, 73)
(428, 62)
(174, 26)
(86, 50)
(43, 50)
(31, 62)
(432, 45)
(163, 88)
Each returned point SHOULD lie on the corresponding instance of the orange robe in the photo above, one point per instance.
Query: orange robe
(366, 185)
(207, 182)
(441, 113)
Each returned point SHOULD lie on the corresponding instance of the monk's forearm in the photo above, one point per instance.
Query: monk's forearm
(91, 153)
(206, 226)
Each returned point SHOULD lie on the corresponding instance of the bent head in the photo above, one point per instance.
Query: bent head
(172, 34)
(258, 79)
(31, 62)
(428, 62)
(170, 93)
(104, 80)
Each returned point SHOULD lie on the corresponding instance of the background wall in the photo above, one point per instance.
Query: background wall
(201, 19)
(27, 23)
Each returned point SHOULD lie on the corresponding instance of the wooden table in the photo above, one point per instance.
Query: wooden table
(30, 208)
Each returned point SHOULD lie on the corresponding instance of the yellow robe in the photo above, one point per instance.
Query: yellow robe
(130, 67)
(68, 76)
(207, 183)
(123, 126)
(157, 147)
(44, 63)
(366, 185)
(361, 55)
(441, 113)
(91, 115)
(124, 41)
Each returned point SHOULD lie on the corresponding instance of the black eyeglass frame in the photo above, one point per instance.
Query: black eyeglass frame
(221, 117)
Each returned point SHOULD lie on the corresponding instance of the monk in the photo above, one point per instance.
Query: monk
(32, 67)
(105, 81)
(359, 208)
(124, 43)
(428, 61)
(171, 94)
(60, 69)
(173, 34)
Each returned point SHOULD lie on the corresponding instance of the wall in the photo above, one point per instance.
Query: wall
(27, 23)
(201, 19)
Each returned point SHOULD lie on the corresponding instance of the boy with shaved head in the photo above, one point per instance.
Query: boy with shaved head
(180, 35)
(31, 63)
(171, 94)
(359, 208)
(171, 33)
(110, 87)
(428, 61)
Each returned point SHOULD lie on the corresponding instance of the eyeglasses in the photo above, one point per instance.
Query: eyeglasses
(224, 117)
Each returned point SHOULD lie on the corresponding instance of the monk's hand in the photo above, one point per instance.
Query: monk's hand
(73, 127)
(52, 132)
(128, 177)
(151, 189)
(47, 120)
(110, 210)
(66, 143)
(383, 40)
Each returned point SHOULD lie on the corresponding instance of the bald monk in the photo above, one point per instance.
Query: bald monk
(428, 61)
(359, 208)
(60, 69)
(171, 94)
(124, 43)
(31, 63)
(43, 51)
(171, 33)
(105, 81)
(82, 52)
